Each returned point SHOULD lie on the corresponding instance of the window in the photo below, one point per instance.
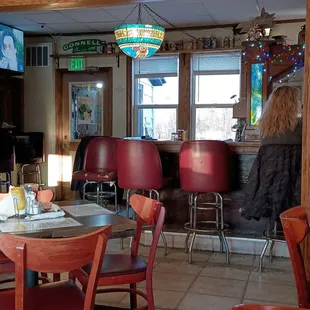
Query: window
(156, 92)
(215, 79)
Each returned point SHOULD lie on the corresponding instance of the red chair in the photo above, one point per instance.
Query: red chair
(53, 255)
(296, 228)
(139, 168)
(262, 307)
(204, 168)
(100, 166)
(6, 265)
(120, 269)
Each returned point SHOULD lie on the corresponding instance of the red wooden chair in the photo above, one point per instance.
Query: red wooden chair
(262, 307)
(53, 255)
(6, 265)
(295, 227)
(120, 269)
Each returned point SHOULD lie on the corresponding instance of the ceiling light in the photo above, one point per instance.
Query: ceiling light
(139, 40)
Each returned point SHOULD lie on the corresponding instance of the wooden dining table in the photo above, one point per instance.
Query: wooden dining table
(121, 228)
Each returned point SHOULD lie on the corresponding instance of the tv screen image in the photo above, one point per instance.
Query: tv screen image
(11, 49)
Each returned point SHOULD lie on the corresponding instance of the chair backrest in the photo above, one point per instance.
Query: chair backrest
(138, 165)
(262, 307)
(55, 256)
(295, 227)
(101, 154)
(152, 213)
(204, 166)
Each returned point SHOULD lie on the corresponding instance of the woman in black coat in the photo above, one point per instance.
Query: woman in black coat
(274, 183)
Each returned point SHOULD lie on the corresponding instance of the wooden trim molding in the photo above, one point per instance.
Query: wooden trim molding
(183, 115)
(129, 85)
(49, 5)
(305, 181)
(305, 171)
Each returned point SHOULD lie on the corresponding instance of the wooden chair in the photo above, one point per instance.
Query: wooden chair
(53, 255)
(120, 269)
(6, 265)
(262, 307)
(295, 227)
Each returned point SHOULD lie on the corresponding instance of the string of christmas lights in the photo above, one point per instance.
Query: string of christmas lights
(293, 53)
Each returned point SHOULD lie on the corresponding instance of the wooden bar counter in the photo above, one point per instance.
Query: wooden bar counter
(176, 200)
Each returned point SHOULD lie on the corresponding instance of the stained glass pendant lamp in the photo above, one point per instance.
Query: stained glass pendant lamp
(140, 40)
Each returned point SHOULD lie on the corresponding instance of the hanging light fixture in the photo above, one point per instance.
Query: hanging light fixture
(139, 40)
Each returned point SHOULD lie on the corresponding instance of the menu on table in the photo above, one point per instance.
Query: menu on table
(89, 209)
(15, 225)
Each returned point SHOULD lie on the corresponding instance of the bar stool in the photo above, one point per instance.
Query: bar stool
(139, 168)
(100, 167)
(272, 235)
(204, 168)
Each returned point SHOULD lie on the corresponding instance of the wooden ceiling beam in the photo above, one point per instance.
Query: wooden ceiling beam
(48, 5)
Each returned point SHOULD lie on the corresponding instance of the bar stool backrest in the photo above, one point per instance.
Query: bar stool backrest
(295, 227)
(205, 166)
(138, 165)
(101, 154)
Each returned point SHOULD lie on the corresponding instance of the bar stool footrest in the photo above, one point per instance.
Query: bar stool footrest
(205, 227)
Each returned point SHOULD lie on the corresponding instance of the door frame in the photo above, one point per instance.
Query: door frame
(108, 112)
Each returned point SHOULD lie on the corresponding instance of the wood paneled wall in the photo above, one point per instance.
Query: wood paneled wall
(183, 115)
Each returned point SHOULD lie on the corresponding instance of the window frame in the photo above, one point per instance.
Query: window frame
(136, 107)
(193, 105)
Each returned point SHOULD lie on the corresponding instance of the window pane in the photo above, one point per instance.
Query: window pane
(214, 124)
(217, 61)
(216, 89)
(158, 91)
(156, 65)
(157, 123)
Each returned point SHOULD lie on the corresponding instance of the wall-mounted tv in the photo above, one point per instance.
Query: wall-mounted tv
(11, 49)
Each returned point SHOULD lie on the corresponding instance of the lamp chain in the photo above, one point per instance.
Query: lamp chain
(140, 14)
(147, 8)
(130, 13)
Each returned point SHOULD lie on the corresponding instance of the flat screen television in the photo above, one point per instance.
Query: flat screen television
(11, 49)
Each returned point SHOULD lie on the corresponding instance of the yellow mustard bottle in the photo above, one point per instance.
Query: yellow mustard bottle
(19, 199)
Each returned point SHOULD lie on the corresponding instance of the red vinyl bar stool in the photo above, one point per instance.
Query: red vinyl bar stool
(204, 168)
(139, 168)
(100, 167)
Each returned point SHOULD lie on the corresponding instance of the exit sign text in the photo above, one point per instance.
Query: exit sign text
(77, 64)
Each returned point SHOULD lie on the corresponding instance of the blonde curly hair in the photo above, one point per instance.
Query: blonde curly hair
(281, 111)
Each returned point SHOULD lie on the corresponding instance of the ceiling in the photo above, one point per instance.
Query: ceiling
(178, 12)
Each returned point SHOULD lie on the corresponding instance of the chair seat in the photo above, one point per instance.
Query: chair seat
(103, 176)
(118, 265)
(63, 295)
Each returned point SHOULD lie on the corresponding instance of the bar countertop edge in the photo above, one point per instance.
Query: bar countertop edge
(246, 147)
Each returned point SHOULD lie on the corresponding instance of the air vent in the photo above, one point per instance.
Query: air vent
(37, 56)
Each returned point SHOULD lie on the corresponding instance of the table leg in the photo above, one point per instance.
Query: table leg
(32, 278)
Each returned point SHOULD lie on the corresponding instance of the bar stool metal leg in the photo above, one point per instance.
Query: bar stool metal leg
(193, 226)
(98, 194)
(115, 196)
(261, 257)
(190, 200)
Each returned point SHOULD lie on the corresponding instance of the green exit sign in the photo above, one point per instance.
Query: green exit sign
(77, 64)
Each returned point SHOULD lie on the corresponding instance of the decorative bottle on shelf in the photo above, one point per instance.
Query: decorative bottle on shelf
(302, 35)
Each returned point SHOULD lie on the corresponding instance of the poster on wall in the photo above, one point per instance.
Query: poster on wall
(86, 110)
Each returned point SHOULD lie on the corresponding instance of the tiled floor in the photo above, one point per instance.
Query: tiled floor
(210, 284)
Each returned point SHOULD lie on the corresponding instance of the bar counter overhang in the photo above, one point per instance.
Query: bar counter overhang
(243, 155)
